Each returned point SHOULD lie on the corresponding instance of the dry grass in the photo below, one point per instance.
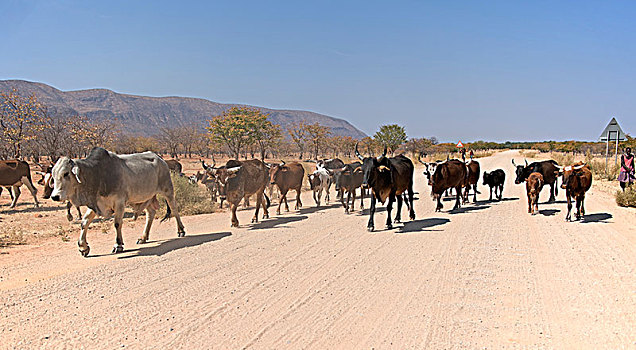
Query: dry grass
(14, 236)
(528, 153)
(192, 199)
(626, 198)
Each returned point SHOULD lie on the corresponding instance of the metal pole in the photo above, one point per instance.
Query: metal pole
(606, 150)
(618, 135)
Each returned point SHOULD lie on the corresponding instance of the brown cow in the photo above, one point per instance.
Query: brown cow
(240, 179)
(473, 178)
(174, 166)
(576, 180)
(450, 174)
(534, 185)
(287, 177)
(14, 173)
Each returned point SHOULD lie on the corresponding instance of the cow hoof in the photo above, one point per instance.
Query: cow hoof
(266, 216)
(254, 220)
(141, 241)
(181, 234)
(69, 217)
(397, 221)
(389, 227)
(118, 249)
(235, 224)
(85, 251)
(370, 228)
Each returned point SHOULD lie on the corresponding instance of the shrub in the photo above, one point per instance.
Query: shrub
(627, 198)
(192, 199)
(598, 170)
(563, 159)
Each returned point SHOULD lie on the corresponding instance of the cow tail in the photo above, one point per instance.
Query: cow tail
(168, 212)
(556, 186)
(267, 200)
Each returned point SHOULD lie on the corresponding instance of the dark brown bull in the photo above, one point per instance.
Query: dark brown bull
(534, 185)
(473, 178)
(450, 174)
(15, 173)
(240, 179)
(547, 168)
(287, 177)
(174, 165)
(388, 178)
(576, 180)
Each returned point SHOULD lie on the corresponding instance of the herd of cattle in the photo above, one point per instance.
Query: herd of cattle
(105, 183)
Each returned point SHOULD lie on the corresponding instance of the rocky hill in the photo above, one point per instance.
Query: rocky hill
(145, 115)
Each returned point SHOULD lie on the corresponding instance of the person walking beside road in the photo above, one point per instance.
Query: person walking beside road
(472, 154)
(463, 152)
(626, 176)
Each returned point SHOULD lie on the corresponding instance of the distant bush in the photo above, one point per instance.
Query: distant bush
(563, 158)
(627, 198)
(192, 199)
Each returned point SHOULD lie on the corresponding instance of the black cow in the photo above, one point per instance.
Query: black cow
(349, 178)
(495, 179)
(388, 178)
(547, 168)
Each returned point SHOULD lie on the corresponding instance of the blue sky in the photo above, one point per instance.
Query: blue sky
(469, 70)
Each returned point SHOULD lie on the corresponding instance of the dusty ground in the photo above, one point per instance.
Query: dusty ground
(486, 276)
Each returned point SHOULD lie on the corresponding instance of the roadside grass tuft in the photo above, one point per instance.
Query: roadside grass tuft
(627, 198)
(192, 199)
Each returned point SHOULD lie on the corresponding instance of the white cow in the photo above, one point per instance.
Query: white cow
(320, 180)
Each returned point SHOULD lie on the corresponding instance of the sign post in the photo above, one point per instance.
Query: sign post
(612, 132)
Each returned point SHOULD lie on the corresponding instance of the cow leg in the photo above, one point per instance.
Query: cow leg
(299, 203)
(69, 216)
(389, 207)
(235, 222)
(475, 194)
(398, 215)
(345, 204)
(583, 205)
(491, 193)
(411, 195)
(439, 203)
(458, 204)
(29, 186)
(88, 217)
(353, 200)
(315, 198)
(568, 215)
(370, 226)
(150, 216)
(175, 212)
(362, 191)
(79, 212)
(259, 202)
(286, 204)
(119, 219)
(283, 197)
(552, 197)
(16, 195)
(579, 203)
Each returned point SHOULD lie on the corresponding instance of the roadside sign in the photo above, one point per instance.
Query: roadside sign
(612, 132)
(460, 144)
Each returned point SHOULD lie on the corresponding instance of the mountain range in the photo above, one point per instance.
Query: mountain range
(144, 115)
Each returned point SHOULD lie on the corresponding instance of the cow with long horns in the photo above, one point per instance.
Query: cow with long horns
(388, 178)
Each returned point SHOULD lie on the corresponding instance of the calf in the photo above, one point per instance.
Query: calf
(349, 178)
(534, 185)
(547, 168)
(472, 179)
(319, 181)
(576, 180)
(388, 178)
(287, 177)
(495, 180)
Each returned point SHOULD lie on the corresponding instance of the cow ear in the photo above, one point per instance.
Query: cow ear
(75, 170)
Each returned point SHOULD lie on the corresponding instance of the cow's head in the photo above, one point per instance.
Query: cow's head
(65, 177)
(522, 172)
(569, 172)
(276, 171)
(487, 178)
(374, 169)
(314, 180)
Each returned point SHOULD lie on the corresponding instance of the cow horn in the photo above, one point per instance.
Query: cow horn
(384, 153)
(526, 161)
(75, 171)
(282, 162)
(205, 167)
(513, 162)
(559, 167)
(233, 170)
(419, 159)
(579, 166)
(40, 173)
(358, 153)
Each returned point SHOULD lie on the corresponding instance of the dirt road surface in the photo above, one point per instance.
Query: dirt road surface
(486, 276)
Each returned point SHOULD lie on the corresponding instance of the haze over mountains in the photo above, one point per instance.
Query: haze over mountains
(145, 115)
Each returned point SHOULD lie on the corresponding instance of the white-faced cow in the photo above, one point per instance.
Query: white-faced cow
(13, 174)
(388, 178)
(106, 182)
(46, 182)
(319, 181)
(240, 179)
(287, 177)
(577, 179)
(547, 168)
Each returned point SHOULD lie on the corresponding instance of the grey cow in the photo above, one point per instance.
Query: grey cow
(106, 182)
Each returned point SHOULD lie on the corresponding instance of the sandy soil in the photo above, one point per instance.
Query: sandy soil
(486, 276)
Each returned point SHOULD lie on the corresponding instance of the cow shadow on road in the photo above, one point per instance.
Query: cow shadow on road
(468, 209)
(313, 209)
(173, 244)
(549, 212)
(421, 225)
(277, 222)
(598, 217)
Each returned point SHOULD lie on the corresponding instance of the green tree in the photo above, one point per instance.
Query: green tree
(316, 137)
(21, 119)
(391, 136)
(263, 133)
(233, 129)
